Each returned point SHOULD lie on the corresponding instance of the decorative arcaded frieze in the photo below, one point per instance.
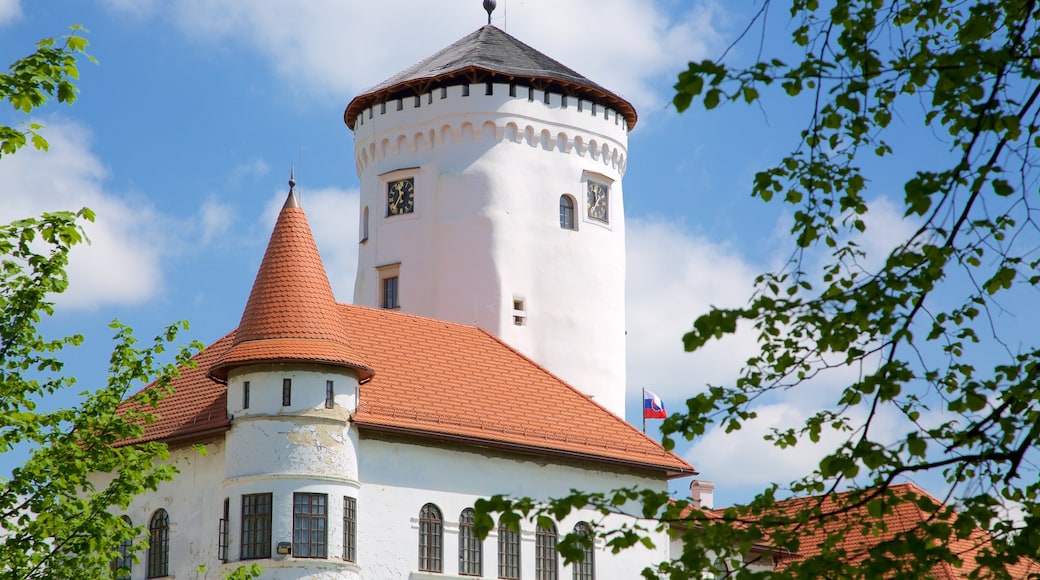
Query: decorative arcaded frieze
(490, 132)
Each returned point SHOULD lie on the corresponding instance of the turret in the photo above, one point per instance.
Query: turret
(292, 380)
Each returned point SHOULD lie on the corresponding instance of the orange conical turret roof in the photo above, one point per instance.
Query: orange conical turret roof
(291, 315)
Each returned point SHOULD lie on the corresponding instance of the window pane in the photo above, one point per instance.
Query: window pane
(566, 212)
(390, 299)
(159, 545)
(256, 526)
(545, 554)
(508, 553)
(122, 563)
(431, 537)
(585, 569)
(350, 529)
(471, 549)
(310, 511)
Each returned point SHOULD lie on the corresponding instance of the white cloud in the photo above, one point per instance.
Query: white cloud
(673, 277)
(333, 216)
(10, 11)
(338, 48)
(136, 8)
(121, 264)
(214, 219)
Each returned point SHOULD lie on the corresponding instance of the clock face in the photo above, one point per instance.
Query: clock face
(598, 203)
(400, 196)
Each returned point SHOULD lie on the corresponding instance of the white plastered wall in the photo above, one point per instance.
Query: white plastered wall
(400, 477)
(489, 171)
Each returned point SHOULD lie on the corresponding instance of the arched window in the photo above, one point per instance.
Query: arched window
(545, 561)
(586, 568)
(122, 563)
(159, 544)
(567, 212)
(431, 539)
(508, 553)
(471, 549)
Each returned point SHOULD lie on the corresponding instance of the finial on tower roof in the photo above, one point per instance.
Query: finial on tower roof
(489, 6)
(291, 201)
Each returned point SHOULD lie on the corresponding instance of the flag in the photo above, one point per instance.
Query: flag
(653, 407)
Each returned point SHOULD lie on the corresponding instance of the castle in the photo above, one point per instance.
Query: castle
(484, 352)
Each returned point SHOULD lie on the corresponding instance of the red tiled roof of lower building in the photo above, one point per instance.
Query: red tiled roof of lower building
(456, 381)
(904, 519)
(440, 380)
(197, 405)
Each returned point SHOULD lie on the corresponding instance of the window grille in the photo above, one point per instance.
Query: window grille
(159, 544)
(256, 526)
(431, 539)
(310, 534)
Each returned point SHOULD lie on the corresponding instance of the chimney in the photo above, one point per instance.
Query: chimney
(702, 494)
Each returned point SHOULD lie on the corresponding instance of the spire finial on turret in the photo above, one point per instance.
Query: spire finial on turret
(291, 201)
(489, 6)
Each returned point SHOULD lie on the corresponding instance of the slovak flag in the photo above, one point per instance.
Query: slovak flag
(653, 407)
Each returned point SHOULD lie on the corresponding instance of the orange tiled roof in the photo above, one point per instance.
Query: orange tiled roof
(291, 313)
(444, 381)
(196, 408)
(427, 378)
(904, 520)
(453, 381)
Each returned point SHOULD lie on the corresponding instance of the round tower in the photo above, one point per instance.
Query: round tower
(291, 458)
(491, 195)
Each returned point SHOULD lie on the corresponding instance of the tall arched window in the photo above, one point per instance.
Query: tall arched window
(122, 563)
(471, 549)
(159, 544)
(586, 568)
(566, 212)
(508, 553)
(431, 539)
(545, 562)
(364, 224)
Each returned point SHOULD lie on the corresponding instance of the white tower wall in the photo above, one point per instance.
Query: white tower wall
(489, 171)
(299, 448)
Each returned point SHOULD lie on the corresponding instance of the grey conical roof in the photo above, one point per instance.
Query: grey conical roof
(488, 55)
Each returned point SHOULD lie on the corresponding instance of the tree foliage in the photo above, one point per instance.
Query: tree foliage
(48, 73)
(926, 329)
(56, 517)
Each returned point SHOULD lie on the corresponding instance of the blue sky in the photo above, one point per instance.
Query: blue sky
(184, 132)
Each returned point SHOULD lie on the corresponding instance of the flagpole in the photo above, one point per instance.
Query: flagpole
(642, 407)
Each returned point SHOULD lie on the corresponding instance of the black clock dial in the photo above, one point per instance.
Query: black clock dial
(598, 202)
(400, 196)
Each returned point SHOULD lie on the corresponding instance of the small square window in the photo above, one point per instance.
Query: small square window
(518, 320)
(518, 304)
